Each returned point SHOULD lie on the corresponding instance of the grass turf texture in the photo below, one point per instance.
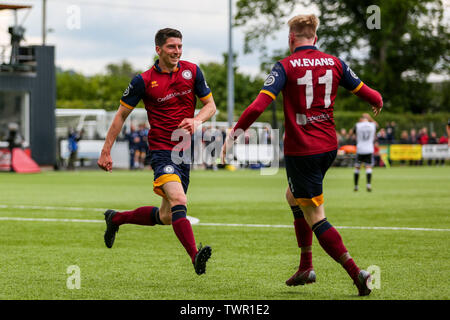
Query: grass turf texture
(247, 262)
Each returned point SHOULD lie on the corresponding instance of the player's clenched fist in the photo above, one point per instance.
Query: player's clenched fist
(105, 161)
(189, 124)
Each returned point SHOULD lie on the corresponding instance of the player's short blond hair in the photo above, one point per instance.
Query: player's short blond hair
(304, 25)
(367, 117)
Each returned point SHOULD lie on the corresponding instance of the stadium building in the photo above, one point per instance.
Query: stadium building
(28, 93)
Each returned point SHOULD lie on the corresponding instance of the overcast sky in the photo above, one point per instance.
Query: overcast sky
(114, 30)
(109, 31)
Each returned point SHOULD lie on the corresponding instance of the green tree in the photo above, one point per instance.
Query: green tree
(124, 69)
(396, 58)
(100, 91)
(103, 91)
(246, 87)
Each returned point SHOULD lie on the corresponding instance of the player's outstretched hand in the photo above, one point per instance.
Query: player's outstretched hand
(376, 110)
(226, 147)
(105, 161)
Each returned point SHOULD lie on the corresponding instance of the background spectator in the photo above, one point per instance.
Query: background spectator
(351, 137)
(73, 139)
(443, 140)
(133, 142)
(382, 136)
(390, 131)
(412, 136)
(433, 138)
(142, 146)
(423, 136)
(404, 137)
(342, 137)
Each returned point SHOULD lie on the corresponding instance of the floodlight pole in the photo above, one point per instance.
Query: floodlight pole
(44, 22)
(15, 18)
(230, 82)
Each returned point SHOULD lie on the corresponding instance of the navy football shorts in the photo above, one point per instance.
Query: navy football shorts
(305, 176)
(165, 170)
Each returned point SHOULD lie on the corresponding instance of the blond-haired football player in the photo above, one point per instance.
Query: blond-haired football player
(309, 80)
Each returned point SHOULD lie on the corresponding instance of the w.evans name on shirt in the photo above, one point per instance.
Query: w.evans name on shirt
(312, 62)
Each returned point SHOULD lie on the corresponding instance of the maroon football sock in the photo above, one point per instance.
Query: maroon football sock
(330, 239)
(183, 230)
(351, 268)
(305, 261)
(304, 235)
(141, 216)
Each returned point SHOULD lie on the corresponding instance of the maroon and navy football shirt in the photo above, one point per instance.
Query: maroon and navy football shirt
(169, 97)
(309, 80)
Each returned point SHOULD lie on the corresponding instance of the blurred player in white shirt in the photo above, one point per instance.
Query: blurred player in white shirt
(365, 131)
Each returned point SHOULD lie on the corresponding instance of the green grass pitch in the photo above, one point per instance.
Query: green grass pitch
(248, 262)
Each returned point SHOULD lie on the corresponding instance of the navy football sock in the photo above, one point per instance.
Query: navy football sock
(297, 212)
(156, 219)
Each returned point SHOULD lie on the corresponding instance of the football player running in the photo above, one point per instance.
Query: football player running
(169, 90)
(309, 80)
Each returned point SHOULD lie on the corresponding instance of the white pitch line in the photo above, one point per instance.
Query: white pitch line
(338, 227)
(50, 208)
(49, 219)
(194, 221)
(245, 225)
(2, 206)
(392, 228)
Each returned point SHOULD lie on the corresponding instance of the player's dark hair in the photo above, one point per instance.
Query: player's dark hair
(166, 33)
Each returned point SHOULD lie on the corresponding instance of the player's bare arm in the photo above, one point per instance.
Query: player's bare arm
(206, 112)
(251, 113)
(105, 161)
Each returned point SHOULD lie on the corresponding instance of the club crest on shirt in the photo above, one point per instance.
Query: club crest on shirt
(168, 169)
(187, 74)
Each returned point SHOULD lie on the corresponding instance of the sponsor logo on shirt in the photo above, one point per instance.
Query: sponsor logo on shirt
(269, 80)
(127, 90)
(302, 119)
(173, 95)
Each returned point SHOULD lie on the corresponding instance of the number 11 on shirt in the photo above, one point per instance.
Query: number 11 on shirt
(307, 80)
